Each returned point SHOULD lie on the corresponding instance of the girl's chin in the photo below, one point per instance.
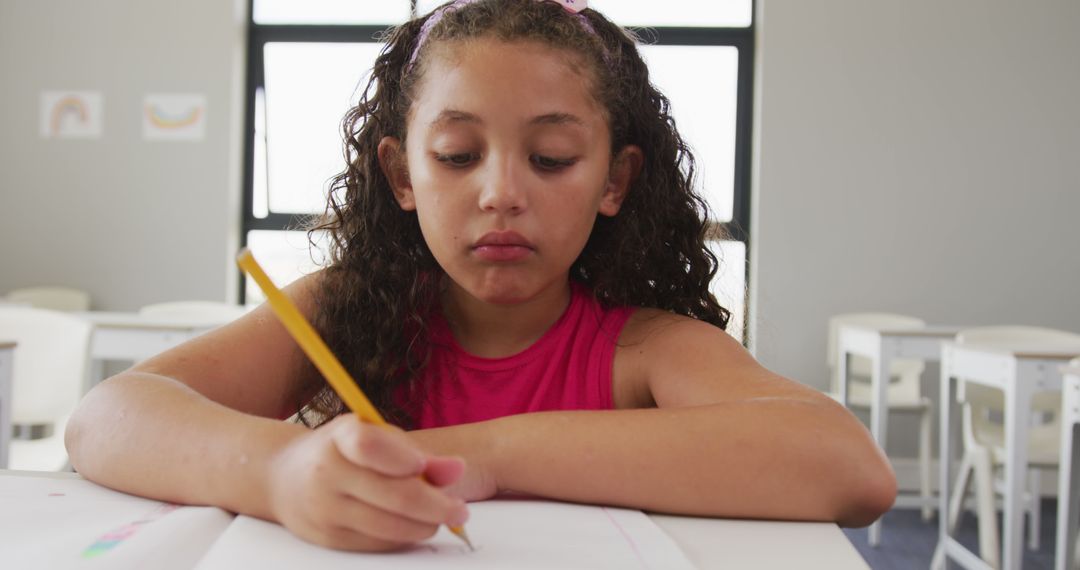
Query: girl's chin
(503, 291)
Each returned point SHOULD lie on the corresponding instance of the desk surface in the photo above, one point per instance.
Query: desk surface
(1038, 350)
(721, 543)
(110, 319)
(939, 331)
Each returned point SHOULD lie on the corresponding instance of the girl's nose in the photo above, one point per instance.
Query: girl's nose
(503, 187)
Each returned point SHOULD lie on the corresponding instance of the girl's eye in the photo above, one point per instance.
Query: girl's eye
(548, 163)
(457, 160)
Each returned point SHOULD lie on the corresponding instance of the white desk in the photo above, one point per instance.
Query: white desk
(7, 381)
(881, 346)
(133, 337)
(1018, 374)
(1069, 472)
(717, 543)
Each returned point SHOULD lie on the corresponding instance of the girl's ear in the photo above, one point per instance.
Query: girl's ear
(392, 162)
(625, 168)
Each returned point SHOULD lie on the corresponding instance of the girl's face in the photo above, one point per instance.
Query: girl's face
(508, 163)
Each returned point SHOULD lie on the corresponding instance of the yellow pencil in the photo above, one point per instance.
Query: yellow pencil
(314, 347)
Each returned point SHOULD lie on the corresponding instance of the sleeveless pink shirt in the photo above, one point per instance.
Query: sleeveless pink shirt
(569, 368)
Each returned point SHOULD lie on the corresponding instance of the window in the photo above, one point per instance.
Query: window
(700, 55)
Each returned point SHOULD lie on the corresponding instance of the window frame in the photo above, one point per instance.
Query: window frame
(743, 39)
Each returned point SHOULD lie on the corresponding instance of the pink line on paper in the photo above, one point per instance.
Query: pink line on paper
(626, 535)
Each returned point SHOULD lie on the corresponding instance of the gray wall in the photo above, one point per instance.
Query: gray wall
(131, 221)
(921, 157)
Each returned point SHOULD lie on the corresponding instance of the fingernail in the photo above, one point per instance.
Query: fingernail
(459, 515)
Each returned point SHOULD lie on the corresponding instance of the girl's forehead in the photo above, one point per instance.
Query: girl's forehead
(504, 80)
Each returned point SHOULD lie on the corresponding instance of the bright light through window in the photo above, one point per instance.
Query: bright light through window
(330, 12)
(701, 83)
(285, 255)
(691, 13)
(729, 285)
(309, 88)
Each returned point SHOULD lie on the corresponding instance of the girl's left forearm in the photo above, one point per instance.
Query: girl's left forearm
(773, 458)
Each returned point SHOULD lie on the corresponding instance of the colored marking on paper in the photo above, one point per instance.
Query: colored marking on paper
(111, 539)
(56, 494)
(626, 535)
(163, 120)
(66, 106)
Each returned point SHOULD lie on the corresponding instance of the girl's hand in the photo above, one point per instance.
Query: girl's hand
(356, 486)
(479, 481)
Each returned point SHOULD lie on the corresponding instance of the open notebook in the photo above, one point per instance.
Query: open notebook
(69, 522)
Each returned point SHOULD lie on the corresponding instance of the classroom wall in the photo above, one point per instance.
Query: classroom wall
(131, 221)
(920, 157)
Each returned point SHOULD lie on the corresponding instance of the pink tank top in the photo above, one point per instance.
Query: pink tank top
(569, 368)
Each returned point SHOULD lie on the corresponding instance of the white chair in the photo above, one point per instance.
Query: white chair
(52, 298)
(50, 364)
(209, 310)
(984, 435)
(904, 392)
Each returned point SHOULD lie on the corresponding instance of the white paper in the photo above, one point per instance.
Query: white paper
(519, 534)
(57, 523)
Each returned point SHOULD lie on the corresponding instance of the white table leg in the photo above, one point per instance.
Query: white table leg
(7, 378)
(1017, 423)
(939, 561)
(1068, 518)
(879, 413)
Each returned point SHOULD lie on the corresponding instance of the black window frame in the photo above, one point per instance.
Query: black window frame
(741, 38)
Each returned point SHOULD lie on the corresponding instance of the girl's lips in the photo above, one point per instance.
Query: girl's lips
(505, 245)
(493, 252)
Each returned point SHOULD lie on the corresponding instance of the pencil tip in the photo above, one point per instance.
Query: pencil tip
(460, 532)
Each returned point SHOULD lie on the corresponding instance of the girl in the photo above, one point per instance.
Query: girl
(518, 277)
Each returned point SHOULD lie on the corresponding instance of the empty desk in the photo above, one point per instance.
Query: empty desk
(1019, 372)
(881, 346)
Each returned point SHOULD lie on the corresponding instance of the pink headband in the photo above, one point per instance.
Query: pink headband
(572, 6)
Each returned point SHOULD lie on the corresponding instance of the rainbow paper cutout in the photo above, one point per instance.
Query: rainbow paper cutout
(62, 108)
(162, 120)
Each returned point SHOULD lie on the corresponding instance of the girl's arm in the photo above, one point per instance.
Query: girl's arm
(201, 424)
(727, 438)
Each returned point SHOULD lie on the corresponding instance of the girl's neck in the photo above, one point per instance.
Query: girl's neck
(488, 330)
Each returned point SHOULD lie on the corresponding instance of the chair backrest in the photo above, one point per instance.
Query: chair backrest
(50, 364)
(52, 298)
(212, 310)
(860, 367)
(983, 402)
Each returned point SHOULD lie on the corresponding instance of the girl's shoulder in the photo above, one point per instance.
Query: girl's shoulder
(656, 344)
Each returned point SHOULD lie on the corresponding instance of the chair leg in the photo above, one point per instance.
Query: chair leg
(989, 549)
(924, 462)
(1035, 510)
(956, 502)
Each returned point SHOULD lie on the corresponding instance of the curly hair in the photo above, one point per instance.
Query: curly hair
(382, 282)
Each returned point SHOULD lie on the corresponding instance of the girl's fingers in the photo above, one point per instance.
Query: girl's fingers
(408, 497)
(384, 449)
(444, 471)
(355, 525)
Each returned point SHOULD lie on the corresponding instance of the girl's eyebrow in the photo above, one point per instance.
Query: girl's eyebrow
(451, 116)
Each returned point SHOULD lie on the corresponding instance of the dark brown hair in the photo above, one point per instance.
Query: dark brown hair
(382, 281)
